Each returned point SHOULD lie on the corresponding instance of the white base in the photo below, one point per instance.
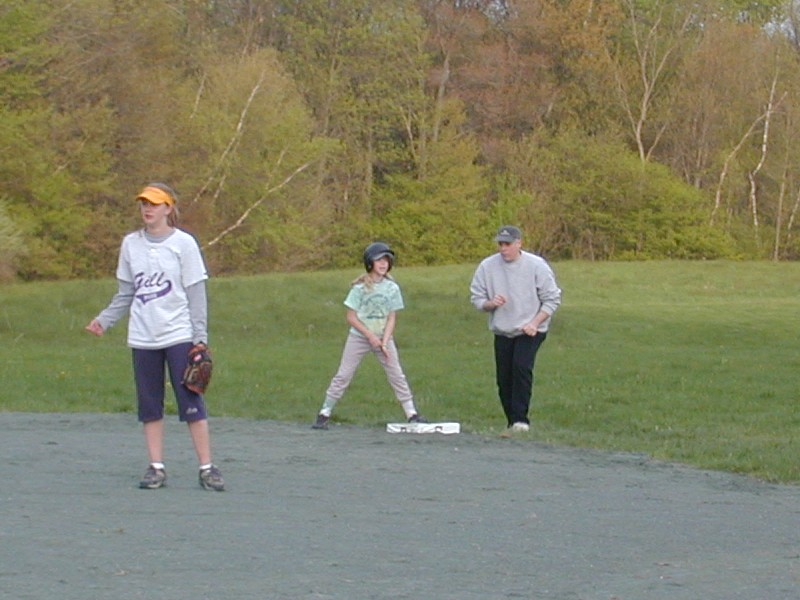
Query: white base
(446, 428)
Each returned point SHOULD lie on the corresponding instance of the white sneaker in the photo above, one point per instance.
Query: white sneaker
(520, 427)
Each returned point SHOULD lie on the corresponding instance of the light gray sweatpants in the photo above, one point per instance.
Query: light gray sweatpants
(356, 348)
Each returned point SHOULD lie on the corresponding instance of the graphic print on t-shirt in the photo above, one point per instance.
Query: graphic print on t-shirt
(374, 312)
(150, 287)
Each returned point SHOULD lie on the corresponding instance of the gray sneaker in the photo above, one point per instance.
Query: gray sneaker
(418, 418)
(211, 479)
(153, 478)
(321, 422)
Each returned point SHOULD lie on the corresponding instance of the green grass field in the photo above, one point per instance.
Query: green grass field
(695, 362)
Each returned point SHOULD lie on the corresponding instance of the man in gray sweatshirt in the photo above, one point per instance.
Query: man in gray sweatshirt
(519, 291)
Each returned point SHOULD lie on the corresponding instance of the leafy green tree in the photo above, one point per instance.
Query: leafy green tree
(758, 12)
(736, 129)
(245, 151)
(360, 65)
(593, 199)
(436, 214)
(54, 155)
(295, 130)
(11, 244)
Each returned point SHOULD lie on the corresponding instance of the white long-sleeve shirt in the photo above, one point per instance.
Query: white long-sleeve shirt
(162, 283)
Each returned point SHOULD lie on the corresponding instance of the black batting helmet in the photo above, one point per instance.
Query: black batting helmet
(375, 251)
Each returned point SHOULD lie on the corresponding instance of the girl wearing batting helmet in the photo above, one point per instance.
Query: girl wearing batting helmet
(372, 306)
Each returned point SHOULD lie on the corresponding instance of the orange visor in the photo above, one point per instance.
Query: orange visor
(155, 195)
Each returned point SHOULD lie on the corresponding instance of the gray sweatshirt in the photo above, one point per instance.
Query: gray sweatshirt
(528, 284)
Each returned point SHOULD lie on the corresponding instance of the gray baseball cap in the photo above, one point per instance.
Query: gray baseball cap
(508, 234)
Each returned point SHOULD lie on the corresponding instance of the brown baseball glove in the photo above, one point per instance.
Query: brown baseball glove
(197, 375)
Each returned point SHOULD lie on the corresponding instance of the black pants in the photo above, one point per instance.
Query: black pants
(514, 359)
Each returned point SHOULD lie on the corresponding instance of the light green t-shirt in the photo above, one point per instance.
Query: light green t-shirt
(373, 304)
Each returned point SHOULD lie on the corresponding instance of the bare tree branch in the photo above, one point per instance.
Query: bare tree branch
(793, 215)
(651, 70)
(779, 214)
(197, 96)
(240, 221)
(237, 135)
(762, 159)
(723, 174)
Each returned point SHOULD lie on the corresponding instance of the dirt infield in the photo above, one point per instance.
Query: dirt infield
(356, 514)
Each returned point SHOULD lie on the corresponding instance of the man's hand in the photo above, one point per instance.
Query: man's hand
(530, 329)
(496, 302)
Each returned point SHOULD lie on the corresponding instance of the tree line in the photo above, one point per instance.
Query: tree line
(296, 131)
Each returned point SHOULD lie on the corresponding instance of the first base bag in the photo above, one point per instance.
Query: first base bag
(445, 428)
